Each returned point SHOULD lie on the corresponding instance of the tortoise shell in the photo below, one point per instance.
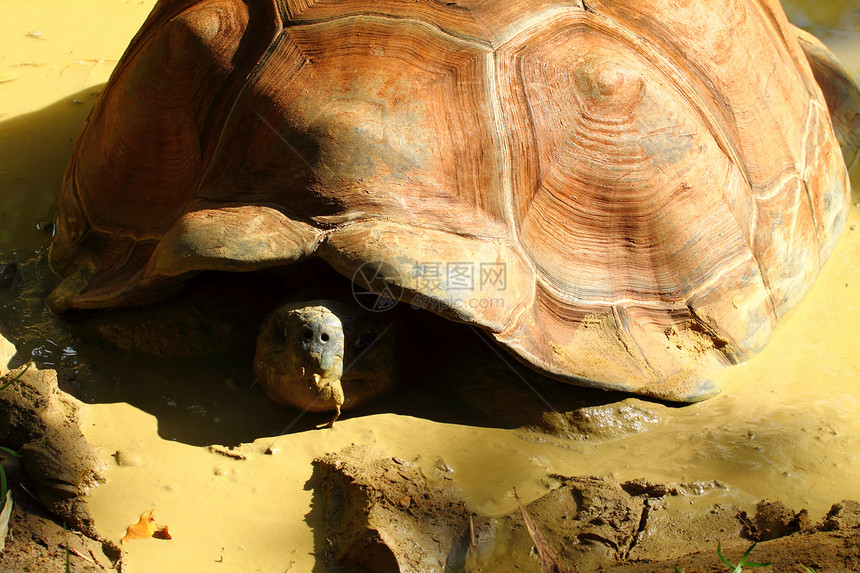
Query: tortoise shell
(625, 194)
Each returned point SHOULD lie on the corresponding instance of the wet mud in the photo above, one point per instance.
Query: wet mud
(383, 513)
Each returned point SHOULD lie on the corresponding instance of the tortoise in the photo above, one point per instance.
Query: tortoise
(624, 194)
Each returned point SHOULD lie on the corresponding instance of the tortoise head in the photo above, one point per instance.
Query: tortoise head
(299, 356)
(325, 355)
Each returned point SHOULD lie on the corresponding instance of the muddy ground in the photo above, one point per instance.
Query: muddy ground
(379, 512)
(384, 514)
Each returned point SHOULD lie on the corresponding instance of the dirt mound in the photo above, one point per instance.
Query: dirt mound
(386, 514)
(42, 424)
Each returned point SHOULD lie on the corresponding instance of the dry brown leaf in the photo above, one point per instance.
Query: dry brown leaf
(162, 533)
(549, 561)
(145, 528)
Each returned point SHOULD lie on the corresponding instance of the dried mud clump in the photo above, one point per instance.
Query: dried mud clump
(384, 514)
(843, 516)
(594, 522)
(37, 543)
(42, 423)
(590, 522)
(772, 520)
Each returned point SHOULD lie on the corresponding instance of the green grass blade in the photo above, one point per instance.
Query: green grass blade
(17, 376)
(744, 563)
(10, 451)
(723, 559)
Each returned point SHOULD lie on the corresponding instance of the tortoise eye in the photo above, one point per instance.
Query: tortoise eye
(308, 334)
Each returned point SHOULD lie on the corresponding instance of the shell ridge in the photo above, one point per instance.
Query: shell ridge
(535, 144)
(811, 122)
(468, 40)
(541, 19)
(770, 20)
(504, 147)
(295, 18)
(358, 221)
(239, 97)
(750, 244)
(768, 290)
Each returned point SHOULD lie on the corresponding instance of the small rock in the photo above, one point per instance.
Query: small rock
(227, 452)
(443, 466)
(641, 487)
(126, 458)
(47, 227)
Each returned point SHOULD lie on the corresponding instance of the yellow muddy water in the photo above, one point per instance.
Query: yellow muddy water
(785, 427)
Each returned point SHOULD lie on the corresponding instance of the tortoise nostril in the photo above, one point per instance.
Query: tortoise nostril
(324, 337)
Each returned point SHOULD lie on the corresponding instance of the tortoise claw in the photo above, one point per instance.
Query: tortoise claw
(330, 423)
